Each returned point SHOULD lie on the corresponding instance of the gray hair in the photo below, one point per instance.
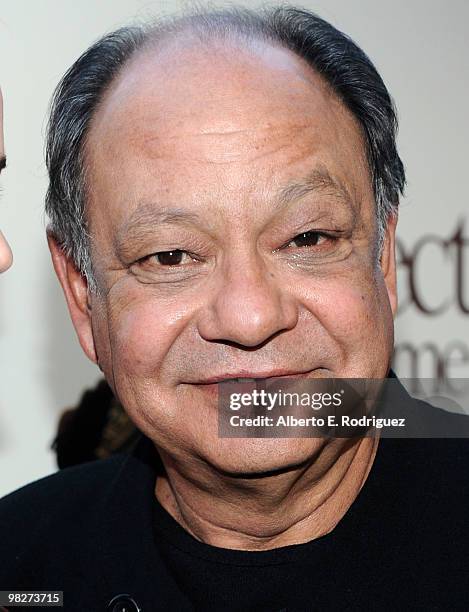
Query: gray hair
(331, 53)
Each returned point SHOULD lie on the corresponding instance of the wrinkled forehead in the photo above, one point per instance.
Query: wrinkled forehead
(179, 90)
(221, 87)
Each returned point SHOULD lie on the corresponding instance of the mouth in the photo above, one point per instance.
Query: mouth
(210, 386)
(246, 376)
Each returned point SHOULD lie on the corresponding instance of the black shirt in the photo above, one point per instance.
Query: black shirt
(403, 543)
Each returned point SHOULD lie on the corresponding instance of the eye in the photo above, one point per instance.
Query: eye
(308, 239)
(171, 258)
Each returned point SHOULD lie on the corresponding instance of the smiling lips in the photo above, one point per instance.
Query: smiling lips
(211, 385)
(246, 376)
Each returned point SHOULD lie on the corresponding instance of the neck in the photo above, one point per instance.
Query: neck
(269, 511)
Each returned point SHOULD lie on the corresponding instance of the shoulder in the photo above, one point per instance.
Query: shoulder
(423, 499)
(62, 489)
(439, 459)
(48, 518)
(431, 478)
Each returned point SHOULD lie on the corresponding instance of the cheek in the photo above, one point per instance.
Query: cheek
(141, 334)
(354, 312)
(347, 310)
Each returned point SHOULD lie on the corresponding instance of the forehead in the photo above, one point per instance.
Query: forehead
(222, 114)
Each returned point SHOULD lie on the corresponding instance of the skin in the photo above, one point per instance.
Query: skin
(182, 157)
(6, 257)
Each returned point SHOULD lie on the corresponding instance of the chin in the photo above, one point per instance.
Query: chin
(249, 457)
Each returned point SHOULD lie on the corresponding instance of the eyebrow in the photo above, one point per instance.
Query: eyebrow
(148, 215)
(142, 222)
(3, 162)
(318, 180)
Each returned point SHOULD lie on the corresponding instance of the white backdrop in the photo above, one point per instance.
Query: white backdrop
(420, 47)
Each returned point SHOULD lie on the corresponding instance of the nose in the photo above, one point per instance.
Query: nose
(248, 305)
(6, 257)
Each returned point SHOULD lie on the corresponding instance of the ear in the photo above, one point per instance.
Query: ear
(388, 261)
(75, 289)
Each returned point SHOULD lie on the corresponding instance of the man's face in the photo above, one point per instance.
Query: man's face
(234, 230)
(5, 252)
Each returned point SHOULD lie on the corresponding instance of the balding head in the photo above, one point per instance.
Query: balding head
(329, 52)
